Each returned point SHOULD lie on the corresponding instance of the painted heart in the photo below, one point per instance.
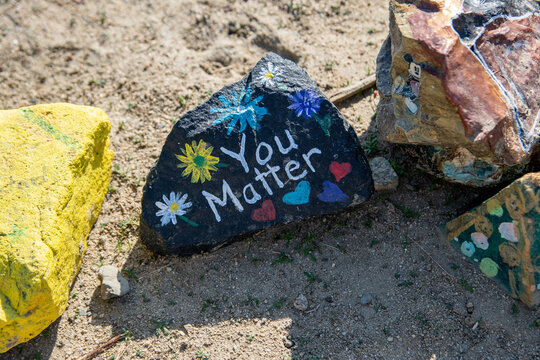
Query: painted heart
(340, 170)
(299, 196)
(267, 212)
(332, 193)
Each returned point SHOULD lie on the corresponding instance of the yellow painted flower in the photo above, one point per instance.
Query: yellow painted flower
(197, 161)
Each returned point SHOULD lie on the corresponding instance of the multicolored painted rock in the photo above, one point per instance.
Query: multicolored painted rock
(502, 237)
(55, 166)
(460, 78)
(267, 150)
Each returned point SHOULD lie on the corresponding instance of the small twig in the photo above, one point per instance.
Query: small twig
(312, 310)
(432, 259)
(333, 247)
(183, 329)
(121, 352)
(12, 19)
(352, 90)
(153, 272)
(100, 348)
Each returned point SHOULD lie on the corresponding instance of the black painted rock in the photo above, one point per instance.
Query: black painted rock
(267, 150)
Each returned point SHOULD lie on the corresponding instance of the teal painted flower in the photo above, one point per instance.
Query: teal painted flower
(240, 109)
(467, 248)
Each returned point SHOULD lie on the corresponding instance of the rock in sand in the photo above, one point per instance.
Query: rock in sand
(55, 166)
(267, 150)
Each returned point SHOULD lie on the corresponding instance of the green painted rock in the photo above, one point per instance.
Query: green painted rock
(502, 237)
(55, 166)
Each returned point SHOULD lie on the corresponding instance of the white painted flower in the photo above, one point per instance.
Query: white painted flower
(269, 74)
(173, 206)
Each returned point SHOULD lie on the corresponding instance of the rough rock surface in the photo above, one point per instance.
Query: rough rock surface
(55, 166)
(463, 82)
(113, 284)
(502, 237)
(384, 175)
(267, 150)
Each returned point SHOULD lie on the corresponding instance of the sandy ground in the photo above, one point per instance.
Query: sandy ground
(139, 60)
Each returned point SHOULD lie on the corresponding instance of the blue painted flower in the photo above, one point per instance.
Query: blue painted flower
(467, 248)
(173, 206)
(305, 103)
(240, 109)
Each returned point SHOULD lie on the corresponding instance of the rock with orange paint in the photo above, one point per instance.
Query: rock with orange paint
(459, 81)
(502, 237)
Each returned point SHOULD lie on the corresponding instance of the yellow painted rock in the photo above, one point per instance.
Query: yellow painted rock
(55, 166)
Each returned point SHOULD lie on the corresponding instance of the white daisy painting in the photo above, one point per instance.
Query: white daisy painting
(173, 206)
(270, 75)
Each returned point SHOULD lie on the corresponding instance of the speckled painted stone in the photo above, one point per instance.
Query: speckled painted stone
(502, 238)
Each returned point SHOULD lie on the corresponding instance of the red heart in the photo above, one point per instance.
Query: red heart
(266, 212)
(340, 170)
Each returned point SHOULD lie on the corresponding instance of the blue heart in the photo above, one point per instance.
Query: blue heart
(299, 196)
(332, 193)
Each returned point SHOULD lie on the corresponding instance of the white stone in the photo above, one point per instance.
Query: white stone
(113, 284)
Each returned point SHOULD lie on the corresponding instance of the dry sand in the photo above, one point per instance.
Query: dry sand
(138, 60)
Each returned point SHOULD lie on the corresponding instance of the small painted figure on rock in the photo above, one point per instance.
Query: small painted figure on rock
(410, 89)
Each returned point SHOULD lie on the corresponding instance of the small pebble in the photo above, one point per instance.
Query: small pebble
(288, 343)
(390, 339)
(366, 299)
(469, 321)
(113, 284)
(470, 307)
(384, 176)
(301, 303)
(329, 299)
